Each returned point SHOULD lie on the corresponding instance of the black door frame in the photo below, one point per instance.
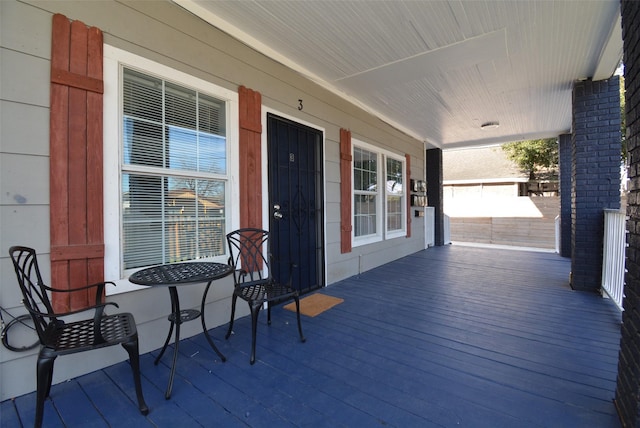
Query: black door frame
(268, 209)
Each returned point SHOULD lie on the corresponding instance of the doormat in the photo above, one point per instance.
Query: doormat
(315, 304)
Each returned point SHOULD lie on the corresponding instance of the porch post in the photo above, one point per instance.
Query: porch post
(435, 193)
(596, 175)
(627, 397)
(564, 166)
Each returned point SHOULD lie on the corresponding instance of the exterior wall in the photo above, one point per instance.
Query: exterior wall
(628, 384)
(163, 32)
(596, 175)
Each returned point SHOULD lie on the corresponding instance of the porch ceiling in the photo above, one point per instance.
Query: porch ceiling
(438, 70)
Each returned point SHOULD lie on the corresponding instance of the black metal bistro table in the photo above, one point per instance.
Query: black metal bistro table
(173, 275)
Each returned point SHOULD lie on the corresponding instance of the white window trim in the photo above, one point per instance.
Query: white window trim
(381, 201)
(114, 60)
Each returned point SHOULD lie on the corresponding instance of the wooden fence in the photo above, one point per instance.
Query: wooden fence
(535, 232)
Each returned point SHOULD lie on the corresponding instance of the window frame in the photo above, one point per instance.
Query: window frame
(378, 235)
(402, 231)
(114, 61)
(382, 232)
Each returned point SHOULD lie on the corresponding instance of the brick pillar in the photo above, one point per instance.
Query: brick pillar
(628, 383)
(596, 175)
(435, 193)
(564, 166)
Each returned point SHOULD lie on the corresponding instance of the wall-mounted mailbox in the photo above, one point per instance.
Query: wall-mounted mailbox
(418, 186)
(418, 200)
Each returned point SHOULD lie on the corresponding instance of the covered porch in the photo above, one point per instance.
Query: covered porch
(449, 336)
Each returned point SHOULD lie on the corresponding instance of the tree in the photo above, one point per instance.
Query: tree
(533, 156)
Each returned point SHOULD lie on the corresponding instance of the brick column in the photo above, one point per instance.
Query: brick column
(628, 384)
(596, 175)
(564, 167)
(435, 193)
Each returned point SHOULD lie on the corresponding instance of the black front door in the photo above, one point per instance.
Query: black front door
(296, 202)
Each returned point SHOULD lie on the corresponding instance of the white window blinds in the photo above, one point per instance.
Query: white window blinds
(174, 172)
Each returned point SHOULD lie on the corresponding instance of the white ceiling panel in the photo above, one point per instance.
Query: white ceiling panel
(438, 69)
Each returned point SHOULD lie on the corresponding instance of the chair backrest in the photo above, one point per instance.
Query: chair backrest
(248, 255)
(34, 295)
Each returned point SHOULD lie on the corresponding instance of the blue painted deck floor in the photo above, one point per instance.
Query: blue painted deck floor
(447, 337)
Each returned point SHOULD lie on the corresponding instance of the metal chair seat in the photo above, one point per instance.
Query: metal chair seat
(78, 336)
(265, 292)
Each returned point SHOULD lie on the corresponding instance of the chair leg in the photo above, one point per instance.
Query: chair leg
(49, 382)
(233, 313)
(255, 311)
(302, 338)
(268, 313)
(44, 375)
(134, 358)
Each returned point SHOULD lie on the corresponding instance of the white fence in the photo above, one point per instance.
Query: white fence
(557, 233)
(429, 227)
(613, 258)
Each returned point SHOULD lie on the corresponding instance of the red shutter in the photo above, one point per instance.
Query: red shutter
(76, 204)
(345, 191)
(250, 104)
(407, 193)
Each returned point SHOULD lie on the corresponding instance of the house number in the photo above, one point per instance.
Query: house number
(300, 106)
(292, 157)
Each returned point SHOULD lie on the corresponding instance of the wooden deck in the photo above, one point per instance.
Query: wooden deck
(451, 336)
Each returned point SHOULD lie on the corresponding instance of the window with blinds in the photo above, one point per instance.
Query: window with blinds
(173, 172)
(374, 203)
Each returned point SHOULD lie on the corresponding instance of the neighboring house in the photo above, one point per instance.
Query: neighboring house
(487, 171)
(484, 171)
(177, 134)
(489, 200)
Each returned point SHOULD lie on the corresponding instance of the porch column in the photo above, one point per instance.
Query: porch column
(627, 397)
(596, 175)
(435, 193)
(564, 167)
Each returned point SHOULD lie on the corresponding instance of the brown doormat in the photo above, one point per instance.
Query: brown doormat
(315, 304)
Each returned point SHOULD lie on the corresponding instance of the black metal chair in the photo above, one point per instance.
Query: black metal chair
(253, 280)
(58, 337)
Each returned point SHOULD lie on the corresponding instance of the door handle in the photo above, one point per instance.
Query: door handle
(276, 212)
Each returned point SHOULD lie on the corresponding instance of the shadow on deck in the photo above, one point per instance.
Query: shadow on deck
(450, 336)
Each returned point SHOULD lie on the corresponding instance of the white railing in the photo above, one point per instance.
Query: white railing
(613, 257)
(557, 233)
(429, 227)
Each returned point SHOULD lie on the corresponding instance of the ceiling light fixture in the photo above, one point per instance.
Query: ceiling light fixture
(489, 125)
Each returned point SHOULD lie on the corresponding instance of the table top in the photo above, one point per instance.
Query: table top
(173, 274)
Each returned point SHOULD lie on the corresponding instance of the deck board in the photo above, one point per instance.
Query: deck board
(450, 336)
